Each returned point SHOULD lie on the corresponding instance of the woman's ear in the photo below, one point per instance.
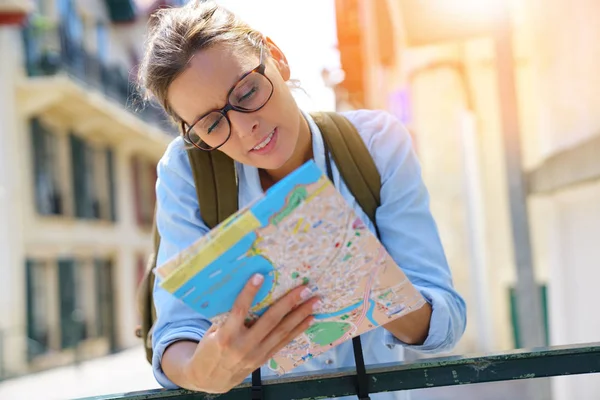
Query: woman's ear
(279, 58)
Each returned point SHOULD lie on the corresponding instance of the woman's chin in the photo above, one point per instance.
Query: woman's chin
(274, 161)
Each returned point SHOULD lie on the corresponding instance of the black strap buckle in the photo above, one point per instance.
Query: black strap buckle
(257, 392)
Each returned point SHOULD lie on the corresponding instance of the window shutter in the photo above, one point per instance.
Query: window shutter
(38, 328)
(93, 205)
(111, 184)
(100, 296)
(78, 173)
(514, 314)
(137, 194)
(31, 348)
(43, 169)
(70, 327)
(38, 143)
(104, 300)
(48, 198)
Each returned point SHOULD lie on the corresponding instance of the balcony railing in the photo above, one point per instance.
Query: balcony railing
(51, 51)
(449, 371)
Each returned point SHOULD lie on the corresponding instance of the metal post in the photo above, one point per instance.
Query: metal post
(3, 373)
(475, 212)
(528, 295)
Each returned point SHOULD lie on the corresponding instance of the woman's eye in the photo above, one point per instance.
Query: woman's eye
(213, 126)
(248, 94)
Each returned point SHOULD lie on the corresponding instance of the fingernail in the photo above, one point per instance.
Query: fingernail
(257, 279)
(317, 305)
(305, 294)
(312, 322)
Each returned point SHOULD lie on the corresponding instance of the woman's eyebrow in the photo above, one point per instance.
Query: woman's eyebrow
(216, 108)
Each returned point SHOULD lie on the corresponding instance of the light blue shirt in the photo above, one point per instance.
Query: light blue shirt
(406, 229)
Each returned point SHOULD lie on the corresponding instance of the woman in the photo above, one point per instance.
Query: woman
(227, 87)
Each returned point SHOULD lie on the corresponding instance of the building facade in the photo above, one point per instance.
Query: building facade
(438, 72)
(78, 154)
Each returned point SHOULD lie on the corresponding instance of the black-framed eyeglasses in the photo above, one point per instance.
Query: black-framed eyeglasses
(213, 129)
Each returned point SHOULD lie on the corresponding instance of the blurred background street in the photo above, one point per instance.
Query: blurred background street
(501, 97)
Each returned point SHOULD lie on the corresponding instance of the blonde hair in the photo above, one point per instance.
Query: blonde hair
(176, 34)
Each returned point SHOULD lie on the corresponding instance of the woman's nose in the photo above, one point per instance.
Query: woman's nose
(244, 124)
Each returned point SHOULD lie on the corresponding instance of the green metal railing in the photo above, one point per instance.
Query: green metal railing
(449, 371)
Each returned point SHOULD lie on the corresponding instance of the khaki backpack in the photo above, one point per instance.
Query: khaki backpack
(216, 187)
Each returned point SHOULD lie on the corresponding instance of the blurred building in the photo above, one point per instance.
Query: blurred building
(78, 154)
(434, 65)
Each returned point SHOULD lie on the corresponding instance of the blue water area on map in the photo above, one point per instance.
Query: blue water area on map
(214, 289)
(339, 312)
(276, 196)
(343, 311)
(372, 305)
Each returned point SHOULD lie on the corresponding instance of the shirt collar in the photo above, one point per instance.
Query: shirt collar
(249, 181)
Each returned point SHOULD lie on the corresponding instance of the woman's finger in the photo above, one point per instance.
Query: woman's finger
(297, 331)
(239, 312)
(275, 314)
(289, 325)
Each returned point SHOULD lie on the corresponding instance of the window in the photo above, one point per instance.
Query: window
(93, 181)
(144, 180)
(102, 201)
(71, 328)
(85, 310)
(104, 299)
(92, 191)
(102, 42)
(514, 314)
(48, 196)
(71, 20)
(110, 171)
(77, 292)
(83, 301)
(38, 302)
(83, 187)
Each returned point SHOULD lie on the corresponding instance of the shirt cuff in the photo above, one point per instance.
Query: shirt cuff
(171, 336)
(440, 333)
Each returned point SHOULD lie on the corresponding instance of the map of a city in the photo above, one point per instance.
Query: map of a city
(301, 232)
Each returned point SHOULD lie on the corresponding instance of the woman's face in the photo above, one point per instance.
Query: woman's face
(265, 138)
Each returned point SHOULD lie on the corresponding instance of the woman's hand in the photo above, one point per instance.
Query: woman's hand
(228, 353)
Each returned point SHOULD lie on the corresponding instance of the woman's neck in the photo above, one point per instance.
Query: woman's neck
(302, 153)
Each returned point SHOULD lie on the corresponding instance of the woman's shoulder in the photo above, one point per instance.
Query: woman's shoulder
(378, 128)
(175, 159)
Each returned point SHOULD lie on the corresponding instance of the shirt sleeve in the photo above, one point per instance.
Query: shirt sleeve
(179, 224)
(408, 230)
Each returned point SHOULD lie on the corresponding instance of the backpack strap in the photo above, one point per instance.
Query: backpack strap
(352, 158)
(216, 185)
(362, 380)
(215, 181)
(349, 151)
(217, 190)
(144, 299)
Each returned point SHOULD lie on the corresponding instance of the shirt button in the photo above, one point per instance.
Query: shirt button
(329, 361)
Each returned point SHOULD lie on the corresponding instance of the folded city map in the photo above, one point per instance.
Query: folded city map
(301, 231)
